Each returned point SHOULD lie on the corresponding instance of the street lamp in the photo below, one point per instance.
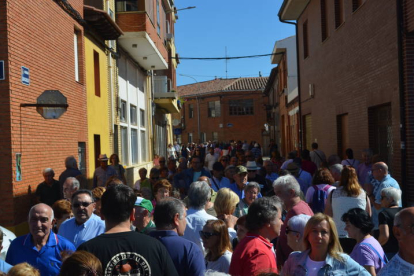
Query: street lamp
(188, 8)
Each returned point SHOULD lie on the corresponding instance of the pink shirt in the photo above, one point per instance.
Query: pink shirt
(283, 250)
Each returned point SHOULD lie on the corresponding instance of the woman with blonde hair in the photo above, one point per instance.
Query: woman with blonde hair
(81, 263)
(323, 252)
(216, 242)
(23, 269)
(347, 196)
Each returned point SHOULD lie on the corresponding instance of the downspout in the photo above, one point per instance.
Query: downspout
(298, 74)
(151, 102)
(403, 134)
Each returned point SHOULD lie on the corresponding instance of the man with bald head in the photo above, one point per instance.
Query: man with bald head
(40, 248)
(403, 262)
(380, 173)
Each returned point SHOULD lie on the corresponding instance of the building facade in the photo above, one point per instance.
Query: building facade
(146, 81)
(282, 90)
(39, 56)
(224, 110)
(355, 88)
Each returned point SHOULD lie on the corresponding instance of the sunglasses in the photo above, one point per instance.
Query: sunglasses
(207, 235)
(288, 231)
(84, 204)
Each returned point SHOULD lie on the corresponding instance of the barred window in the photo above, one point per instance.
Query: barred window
(241, 107)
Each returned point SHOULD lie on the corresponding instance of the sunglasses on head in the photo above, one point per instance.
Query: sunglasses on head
(84, 204)
(207, 235)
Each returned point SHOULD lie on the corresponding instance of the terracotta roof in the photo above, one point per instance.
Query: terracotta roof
(222, 85)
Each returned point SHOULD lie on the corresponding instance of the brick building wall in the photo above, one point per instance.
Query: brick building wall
(41, 38)
(243, 127)
(355, 68)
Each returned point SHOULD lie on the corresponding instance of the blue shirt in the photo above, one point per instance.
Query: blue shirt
(233, 186)
(386, 182)
(47, 260)
(272, 177)
(217, 184)
(79, 234)
(4, 267)
(186, 255)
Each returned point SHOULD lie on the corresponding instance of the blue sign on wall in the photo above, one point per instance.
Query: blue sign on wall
(2, 74)
(177, 131)
(25, 76)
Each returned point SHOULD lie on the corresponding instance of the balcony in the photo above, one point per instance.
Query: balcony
(141, 39)
(165, 99)
(292, 9)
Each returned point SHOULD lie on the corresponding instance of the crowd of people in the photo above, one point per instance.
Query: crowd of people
(220, 209)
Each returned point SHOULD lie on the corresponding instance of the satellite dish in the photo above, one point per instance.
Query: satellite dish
(176, 122)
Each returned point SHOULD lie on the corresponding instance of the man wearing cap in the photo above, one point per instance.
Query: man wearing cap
(218, 181)
(85, 225)
(103, 172)
(143, 217)
(252, 176)
(240, 178)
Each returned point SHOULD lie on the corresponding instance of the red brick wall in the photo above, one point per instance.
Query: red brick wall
(40, 37)
(246, 127)
(408, 50)
(355, 68)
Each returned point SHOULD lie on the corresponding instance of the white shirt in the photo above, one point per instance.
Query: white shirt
(210, 160)
(397, 266)
(222, 264)
(313, 267)
(196, 219)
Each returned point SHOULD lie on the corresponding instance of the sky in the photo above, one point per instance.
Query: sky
(245, 27)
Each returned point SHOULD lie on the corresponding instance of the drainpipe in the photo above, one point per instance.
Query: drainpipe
(298, 73)
(198, 119)
(151, 102)
(403, 134)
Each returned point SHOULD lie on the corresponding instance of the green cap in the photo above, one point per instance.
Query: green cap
(241, 169)
(144, 203)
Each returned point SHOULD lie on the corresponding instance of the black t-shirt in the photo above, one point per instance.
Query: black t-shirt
(48, 194)
(386, 216)
(132, 253)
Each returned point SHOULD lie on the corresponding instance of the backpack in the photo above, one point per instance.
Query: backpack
(319, 198)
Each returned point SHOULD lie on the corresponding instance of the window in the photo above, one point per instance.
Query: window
(203, 137)
(124, 145)
(143, 146)
(134, 146)
(241, 107)
(214, 109)
(190, 111)
(122, 5)
(133, 114)
(97, 75)
(123, 112)
(215, 136)
(142, 117)
(339, 13)
(190, 137)
(158, 18)
(76, 52)
(324, 20)
(305, 39)
(356, 4)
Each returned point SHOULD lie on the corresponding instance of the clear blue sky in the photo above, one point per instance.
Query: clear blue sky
(246, 27)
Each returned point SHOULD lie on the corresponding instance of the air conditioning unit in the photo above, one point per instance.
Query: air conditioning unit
(311, 90)
(169, 36)
(220, 125)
